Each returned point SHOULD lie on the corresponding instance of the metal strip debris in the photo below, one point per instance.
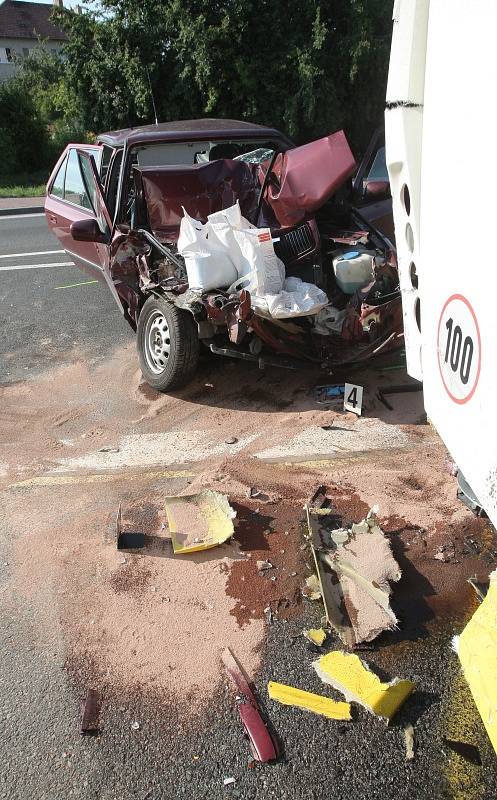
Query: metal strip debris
(90, 712)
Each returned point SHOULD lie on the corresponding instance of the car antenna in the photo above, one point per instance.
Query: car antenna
(152, 96)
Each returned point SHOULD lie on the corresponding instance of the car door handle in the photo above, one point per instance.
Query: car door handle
(53, 219)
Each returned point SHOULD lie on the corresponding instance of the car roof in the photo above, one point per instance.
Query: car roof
(192, 129)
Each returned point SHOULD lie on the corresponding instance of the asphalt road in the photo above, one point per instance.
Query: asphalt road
(45, 317)
(45, 321)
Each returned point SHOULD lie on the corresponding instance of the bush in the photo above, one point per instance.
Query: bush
(24, 142)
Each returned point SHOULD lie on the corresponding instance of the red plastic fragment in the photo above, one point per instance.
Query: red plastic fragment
(262, 745)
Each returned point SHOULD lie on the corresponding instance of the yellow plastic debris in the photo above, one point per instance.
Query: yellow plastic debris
(199, 521)
(315, 635)
(477, 651)
(347, 673)
(317, 703)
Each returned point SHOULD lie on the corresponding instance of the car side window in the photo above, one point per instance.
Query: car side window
(75, 190)
(379, 171)
(58, 184)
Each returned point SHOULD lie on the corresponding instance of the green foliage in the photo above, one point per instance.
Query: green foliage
(306, 67)
(23, 136)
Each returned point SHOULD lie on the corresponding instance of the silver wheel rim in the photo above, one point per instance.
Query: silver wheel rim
(157, 342)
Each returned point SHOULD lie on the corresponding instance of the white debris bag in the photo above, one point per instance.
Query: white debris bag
(207, 260)
(297, 299)
(228, 252)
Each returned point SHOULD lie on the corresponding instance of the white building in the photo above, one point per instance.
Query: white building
(24, 26)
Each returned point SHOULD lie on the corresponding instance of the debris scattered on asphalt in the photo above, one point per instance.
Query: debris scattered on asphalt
(261, 743)
(468, 751)
(264, 566)
(135, 726)
(231, 440)
(199, 521)
(315, 635)
(477, 651)
(355, 567)
(127, 540)
(409, 739)
(311, 589)
(90, 712)
(325, 395)
(347, 673)
(228, 781)
(256, 494)
(317, 703)
(445, 552)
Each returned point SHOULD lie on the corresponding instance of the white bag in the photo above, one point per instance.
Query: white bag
(297, 299)
(228, 251)
(207, 260)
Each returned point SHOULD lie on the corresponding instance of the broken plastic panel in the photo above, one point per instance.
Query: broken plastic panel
(261, 743)
(199, 521)
(353, 678)
(477, 651)
(354, 567)
(317, 703)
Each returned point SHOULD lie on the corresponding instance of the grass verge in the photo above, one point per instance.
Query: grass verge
(24, 185)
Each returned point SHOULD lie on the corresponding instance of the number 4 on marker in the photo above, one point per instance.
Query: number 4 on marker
(352, 398)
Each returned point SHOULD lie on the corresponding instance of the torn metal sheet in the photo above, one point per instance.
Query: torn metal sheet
(90, 712)
(477, 651)
(353, 678)
(261, 743)
(315, 636)
(199, 521)
(355, 567)
(317, 703)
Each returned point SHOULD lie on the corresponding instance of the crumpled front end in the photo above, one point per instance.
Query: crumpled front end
(293, 204)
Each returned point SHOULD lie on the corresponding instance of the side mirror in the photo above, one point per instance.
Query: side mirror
(87, 230)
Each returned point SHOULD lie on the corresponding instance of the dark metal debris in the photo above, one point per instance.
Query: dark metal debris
(90, 710)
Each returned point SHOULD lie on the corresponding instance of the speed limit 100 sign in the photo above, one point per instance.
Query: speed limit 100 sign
(459, 349)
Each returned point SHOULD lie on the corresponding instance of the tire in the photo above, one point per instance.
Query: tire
(167, 343)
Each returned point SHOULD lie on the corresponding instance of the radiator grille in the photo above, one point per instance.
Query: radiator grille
(295, 243)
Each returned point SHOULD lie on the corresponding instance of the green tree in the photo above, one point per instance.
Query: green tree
(307, 66)
(24, 142)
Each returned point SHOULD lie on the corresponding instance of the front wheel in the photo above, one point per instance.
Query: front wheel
(167, 342)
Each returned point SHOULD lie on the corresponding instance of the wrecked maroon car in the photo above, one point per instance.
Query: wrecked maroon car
(118, 207)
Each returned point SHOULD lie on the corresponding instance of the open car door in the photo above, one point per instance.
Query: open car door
(97, 227)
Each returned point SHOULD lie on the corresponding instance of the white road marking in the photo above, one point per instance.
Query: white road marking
(39, 253)
(21, 216)
(39, 266)
(148, 449)
(361, 435)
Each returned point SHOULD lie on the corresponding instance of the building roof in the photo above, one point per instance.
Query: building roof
(19, 20)
(193, 129)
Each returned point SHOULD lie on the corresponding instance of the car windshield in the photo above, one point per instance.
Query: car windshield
(191, 153)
